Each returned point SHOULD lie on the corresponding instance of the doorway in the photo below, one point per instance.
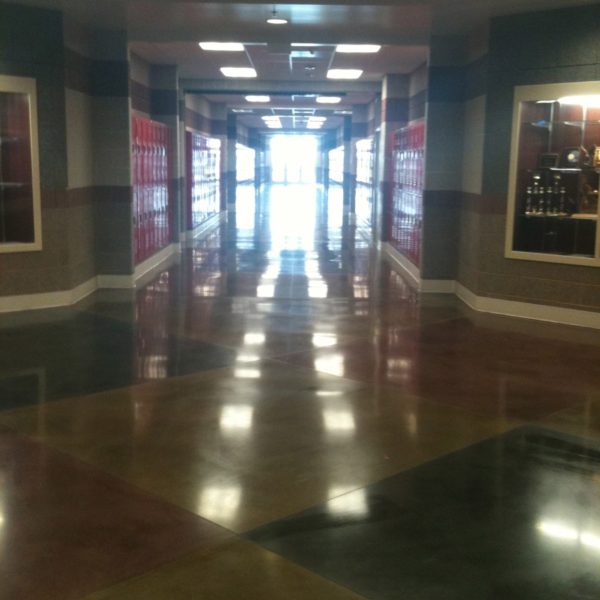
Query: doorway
(294, 158)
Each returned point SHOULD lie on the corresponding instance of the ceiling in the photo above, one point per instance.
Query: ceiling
(168, 32)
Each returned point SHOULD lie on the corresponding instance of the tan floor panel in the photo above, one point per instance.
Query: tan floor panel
(238, 570)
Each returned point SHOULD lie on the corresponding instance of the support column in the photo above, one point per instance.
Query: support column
(349, 170)
(394, 115)
(111, 135)
(231, 162)
(359, 130)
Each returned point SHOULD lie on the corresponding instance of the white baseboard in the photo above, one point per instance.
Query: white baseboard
(529, 310)
(203, 228)
(401, 264)
(48, 299)
(74, 295)
(497, 306)
(124, 282)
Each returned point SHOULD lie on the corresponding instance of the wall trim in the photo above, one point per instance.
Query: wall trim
(69, 297)
(204, 228)
(402, 264)
(48, 299)
(497, 306)
(528, 310)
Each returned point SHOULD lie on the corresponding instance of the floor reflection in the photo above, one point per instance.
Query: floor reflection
(277, 365)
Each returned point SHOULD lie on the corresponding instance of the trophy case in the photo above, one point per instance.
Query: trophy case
(20, 210)
(555, 174)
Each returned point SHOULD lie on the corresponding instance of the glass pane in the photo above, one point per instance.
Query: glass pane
(16, 196)
(556, 208)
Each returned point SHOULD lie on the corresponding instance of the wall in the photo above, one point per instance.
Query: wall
(552, 47)
(444, 142)
(469, 249)
(31, 45)
(80, 153)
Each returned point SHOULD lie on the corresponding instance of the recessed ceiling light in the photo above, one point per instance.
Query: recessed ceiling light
(258, 98)
(244, 72)
(357, 48)
(222, 46)
(275, 19)
(317, 119)
(302, 45)
(242, 110)
(344, 73)
(329, 99)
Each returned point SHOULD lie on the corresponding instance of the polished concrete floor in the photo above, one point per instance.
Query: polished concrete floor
(278, 415)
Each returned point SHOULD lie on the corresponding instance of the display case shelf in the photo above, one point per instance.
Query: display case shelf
(555, 174)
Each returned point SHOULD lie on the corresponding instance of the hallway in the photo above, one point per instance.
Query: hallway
(280, 416)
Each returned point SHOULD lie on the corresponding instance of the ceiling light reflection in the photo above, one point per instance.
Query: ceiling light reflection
(247, 357)
(567, 533)
(236, 417)
(254, 339)
(246, 373)
(219, 503)
(324, 340)
(332, 364)
(351, 504)
(339, 420)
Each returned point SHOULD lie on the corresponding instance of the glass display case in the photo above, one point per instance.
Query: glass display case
(555, 174)
(20, 210)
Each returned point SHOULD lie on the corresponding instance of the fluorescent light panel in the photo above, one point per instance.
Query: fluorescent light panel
(258, 99)
(240, 72)
(277, 21)
(357, 48)
(344, 73)
(329, 99)
(222, 46)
